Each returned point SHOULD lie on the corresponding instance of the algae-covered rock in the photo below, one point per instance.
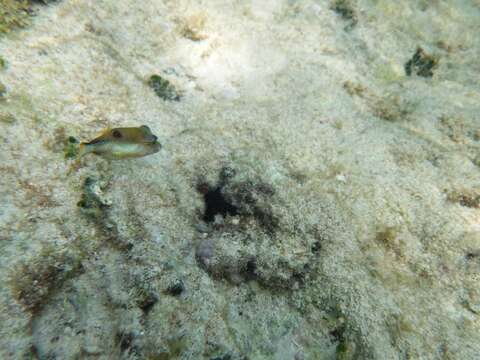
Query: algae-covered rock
(163, 88)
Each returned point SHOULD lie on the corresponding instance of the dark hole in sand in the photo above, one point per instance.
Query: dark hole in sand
(216, 204)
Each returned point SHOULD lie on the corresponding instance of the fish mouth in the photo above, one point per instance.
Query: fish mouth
(151, 139)
(155, 145)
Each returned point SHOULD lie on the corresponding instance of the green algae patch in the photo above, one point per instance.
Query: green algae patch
(345, 9)
(345, 350)
(163, 88)
(421, 64)
(71, 148)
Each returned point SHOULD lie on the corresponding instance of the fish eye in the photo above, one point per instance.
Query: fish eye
(116, 134)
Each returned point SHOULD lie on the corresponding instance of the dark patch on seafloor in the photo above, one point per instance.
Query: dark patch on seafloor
(176, 288)
(163, 88)
(237, 214)
(147, 302)
(346, 10)
(240, 199)
(71, 147)
(215, 203)
(422, 64)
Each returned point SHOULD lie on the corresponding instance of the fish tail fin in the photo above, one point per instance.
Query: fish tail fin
(82, 150)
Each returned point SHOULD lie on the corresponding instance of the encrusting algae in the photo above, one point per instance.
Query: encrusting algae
(122, 143)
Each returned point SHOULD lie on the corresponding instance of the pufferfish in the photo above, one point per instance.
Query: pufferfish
(122, 143)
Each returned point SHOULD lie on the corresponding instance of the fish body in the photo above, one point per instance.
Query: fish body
(122, 143)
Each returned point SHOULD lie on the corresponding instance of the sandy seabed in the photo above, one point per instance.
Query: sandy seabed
(317, 195)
